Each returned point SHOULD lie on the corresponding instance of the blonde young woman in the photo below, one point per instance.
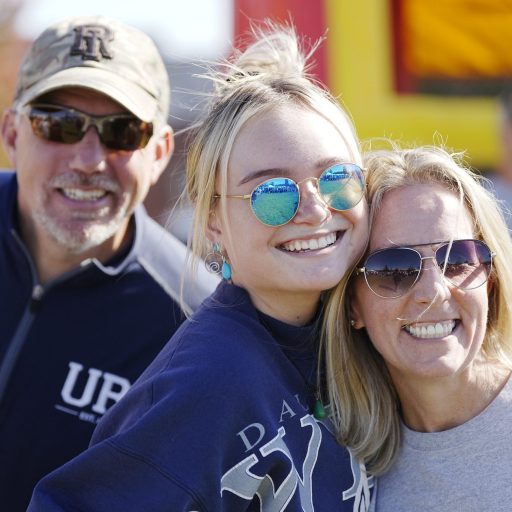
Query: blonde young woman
(229, 416)
(421, 377)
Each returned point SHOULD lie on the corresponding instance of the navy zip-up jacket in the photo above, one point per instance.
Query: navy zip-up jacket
(221, 421)
(69, 349)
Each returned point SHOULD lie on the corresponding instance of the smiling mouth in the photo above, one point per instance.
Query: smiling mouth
(432, 330)
(311, 244)
(77, 194)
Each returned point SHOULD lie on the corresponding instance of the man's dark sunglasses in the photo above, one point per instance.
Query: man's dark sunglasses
(67, 125)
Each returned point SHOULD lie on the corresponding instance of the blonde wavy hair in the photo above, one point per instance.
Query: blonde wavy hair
(272, 71)
(365, 407)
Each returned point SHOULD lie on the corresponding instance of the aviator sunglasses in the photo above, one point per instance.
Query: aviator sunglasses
(392, 272)
(276, 201)
(68, 125)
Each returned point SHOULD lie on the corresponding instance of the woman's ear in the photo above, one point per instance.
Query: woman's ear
(214, 228)
(9, 133)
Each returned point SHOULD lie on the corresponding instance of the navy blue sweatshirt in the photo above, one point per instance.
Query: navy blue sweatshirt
(71, 348)
(220, 421)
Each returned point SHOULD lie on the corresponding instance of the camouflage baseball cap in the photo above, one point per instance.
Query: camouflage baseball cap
(97, 53)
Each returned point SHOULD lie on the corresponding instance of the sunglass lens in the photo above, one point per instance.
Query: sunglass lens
(57, 125)
(118, 131)
(342, 186)
(275, 201)
(127, 133)
(466, 264)
(71, 125)
(392, 272)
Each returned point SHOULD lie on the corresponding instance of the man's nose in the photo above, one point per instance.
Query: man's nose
(89, 153)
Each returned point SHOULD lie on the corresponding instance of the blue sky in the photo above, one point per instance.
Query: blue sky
(181, 28)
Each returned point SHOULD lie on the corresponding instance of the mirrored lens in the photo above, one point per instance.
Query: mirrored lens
(392, 272)
(275, 201)
(342, 186)
(466, 264)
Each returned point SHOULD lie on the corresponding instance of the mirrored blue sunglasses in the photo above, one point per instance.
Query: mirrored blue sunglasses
(276, 201)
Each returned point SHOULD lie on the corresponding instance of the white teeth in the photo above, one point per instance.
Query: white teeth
(312, 244)
(429, 331)
(83, 195)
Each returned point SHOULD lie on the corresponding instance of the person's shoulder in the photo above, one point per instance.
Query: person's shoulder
(223, 341)
(222, 322)
(7, 179)
(213, 353)
(229, 311)
(6, 175)
(7, 196)
(222, 333)
(154, 241)
(164, 257)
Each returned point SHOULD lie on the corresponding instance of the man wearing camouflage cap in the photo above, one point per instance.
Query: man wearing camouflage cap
(90, 284)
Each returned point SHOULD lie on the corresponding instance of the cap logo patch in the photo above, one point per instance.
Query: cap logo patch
(92, 42)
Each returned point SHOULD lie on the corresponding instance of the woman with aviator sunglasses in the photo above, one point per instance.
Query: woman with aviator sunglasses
(425, 360)
(230, 417)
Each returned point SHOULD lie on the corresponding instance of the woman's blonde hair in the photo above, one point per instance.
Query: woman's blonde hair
(272, 71)
(365, 407)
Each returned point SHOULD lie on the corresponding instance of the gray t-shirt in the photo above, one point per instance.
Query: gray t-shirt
(467, 468)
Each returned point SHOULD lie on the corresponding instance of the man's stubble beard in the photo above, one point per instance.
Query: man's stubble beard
(89, 234)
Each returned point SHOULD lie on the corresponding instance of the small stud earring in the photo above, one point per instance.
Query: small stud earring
(352, 322)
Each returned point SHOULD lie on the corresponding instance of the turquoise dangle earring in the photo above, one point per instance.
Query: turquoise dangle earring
(214, 260)
(216, 263)
(226, 270)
